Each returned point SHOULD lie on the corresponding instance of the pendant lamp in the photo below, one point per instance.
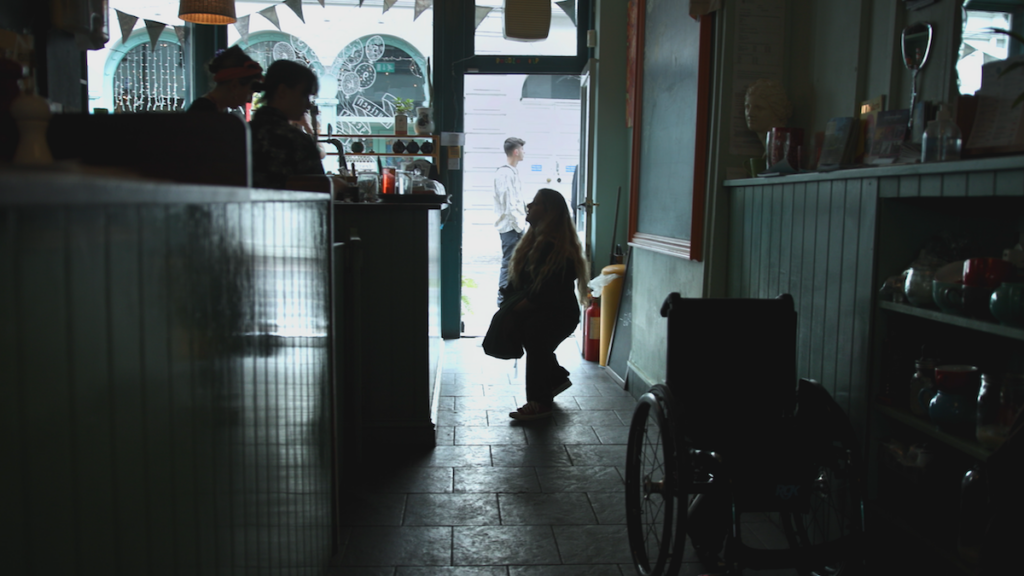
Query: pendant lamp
(207, 11)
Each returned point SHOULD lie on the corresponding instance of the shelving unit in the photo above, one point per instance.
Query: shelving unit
(977, 202)
(969, 447)
(435, 155)
(953, 320)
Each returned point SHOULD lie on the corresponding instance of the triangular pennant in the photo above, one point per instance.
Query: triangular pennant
(481, 13)
(322, 3)
(182, 32)
(388, 4)
(569, 7)
(242, 27)
(296, 6)
(421, 5)
(154, 29)
(360, 3)
(271, 14)
(127, 23)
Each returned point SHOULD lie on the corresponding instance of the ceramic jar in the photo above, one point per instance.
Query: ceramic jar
(424, 125)
(952, 412)
(1007, 304)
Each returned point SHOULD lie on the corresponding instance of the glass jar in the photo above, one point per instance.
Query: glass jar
(369, 186)
(988, 432)
(924, 378)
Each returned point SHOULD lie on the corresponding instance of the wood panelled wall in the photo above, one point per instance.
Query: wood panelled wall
(815, 241)
(164, 387)
(825, 239)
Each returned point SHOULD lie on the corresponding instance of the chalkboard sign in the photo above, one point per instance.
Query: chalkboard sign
(622, 330)
(672, 72)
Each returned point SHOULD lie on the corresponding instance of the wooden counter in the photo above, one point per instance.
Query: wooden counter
(391, 342)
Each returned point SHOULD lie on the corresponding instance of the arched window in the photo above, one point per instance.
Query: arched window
(267, 47)
(151, 80)
(373, 72)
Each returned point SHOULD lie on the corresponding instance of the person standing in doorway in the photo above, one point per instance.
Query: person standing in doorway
(509, 207)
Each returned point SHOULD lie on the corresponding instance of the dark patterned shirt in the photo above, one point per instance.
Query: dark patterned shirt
(280, 150)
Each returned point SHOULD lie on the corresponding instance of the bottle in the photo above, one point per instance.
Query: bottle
(941, 140)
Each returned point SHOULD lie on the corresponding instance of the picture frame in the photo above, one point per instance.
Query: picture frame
(666, 214)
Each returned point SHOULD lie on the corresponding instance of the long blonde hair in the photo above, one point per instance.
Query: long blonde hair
(558, 230)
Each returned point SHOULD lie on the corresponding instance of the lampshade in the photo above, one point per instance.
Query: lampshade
(207, 11)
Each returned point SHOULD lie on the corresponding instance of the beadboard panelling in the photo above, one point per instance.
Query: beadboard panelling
(812, 240)
(164, 387)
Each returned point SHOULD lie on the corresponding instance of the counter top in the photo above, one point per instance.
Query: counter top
(959, 166)
(29, 186)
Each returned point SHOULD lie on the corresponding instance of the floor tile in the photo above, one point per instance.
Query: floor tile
(445, 436)
(532, 455)
(414, 480)
(561, 435)
(452, 571)
(610, 507)
(612, 434)
(363, 571)
(498, 480)
(593, 544)
(504, 545)
(565, 570)
(489, 435)
(446, 402)
(579, 388)
(597, 455)
(452, 510)
(458, 456)
(579, 479)
(612, 390)
(462, 418)
(485, 403)
(465, 389)
(399, 546)
(625, 402)
(587, 418)
(374, 510)
(545, 509)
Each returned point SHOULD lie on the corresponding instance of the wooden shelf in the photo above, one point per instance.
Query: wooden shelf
(967, 446)
(953, 320)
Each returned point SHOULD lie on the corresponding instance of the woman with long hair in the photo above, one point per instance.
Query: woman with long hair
(548, 269)
(237, 77)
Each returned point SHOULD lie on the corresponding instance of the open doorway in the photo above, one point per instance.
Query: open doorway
(543, 110)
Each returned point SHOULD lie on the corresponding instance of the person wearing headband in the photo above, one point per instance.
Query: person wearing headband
(237, 77)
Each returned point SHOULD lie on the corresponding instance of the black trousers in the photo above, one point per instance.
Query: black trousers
(541, 334)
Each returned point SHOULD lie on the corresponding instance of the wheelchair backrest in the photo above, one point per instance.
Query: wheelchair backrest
(731, 367)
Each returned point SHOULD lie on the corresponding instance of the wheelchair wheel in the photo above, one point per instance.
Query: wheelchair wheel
(828, 535)
(651, 485)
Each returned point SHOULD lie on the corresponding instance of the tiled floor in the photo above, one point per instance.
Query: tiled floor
(500, 497)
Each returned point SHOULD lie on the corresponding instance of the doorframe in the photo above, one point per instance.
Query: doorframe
(454, 51)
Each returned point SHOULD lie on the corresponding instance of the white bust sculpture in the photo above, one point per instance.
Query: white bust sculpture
(765, 107)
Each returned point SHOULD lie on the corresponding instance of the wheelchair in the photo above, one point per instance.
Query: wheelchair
(733, 432)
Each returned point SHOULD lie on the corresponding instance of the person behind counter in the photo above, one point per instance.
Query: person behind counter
(237, 77)
(279, 148)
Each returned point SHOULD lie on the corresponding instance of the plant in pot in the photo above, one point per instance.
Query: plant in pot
(404, 108)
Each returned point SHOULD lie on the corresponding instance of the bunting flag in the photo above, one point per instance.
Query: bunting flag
(182, 33)
(127, 23)
(271, 14)
(322, 3)
(569, 7)
(421, 6)
(296, 6)
(154, 28)
(242, 27)
(481, 13)
(388, 4)
(360, 3)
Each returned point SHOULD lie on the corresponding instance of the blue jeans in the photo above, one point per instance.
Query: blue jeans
(508, 245)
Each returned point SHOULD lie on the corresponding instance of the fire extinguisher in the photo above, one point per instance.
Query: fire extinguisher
(592, 331)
